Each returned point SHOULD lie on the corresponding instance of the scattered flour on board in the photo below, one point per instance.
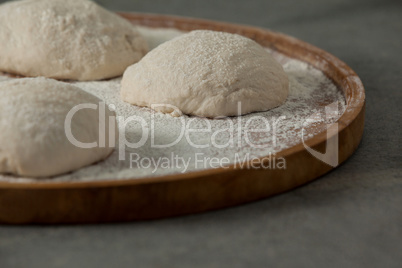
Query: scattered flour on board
(229, 139)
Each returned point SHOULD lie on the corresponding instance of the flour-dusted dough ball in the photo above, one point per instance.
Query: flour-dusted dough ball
(66, 39)
(207, 73)
(33, 140)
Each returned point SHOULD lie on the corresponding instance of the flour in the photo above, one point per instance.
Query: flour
(206, 73)
(75, 39)
(223, 141)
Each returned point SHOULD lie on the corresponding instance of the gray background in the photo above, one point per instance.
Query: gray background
(351, 217)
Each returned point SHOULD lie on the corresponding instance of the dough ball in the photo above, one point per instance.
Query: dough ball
(33, 140)
(74, 39)
(207, 73)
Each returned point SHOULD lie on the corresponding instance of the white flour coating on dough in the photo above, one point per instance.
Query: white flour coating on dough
(206, 73)
(74, 39)
(310, 90)
(33, 142)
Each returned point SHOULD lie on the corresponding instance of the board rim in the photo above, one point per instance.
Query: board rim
(351, 121)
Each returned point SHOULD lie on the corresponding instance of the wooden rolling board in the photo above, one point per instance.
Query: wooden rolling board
(166, 196)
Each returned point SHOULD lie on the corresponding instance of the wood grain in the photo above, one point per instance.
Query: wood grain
(158, 197)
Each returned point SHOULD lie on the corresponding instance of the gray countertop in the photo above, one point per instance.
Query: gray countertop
(351, 217)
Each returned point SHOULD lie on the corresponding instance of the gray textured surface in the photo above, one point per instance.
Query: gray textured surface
(352, 217)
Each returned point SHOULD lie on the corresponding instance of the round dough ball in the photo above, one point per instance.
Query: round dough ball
(33, 140)
(207, 73)
(74, 39)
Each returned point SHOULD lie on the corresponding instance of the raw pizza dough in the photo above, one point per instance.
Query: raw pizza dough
(33, 140)
(206, 73)
(74, 39)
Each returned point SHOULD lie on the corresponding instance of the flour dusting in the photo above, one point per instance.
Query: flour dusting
(232, 139)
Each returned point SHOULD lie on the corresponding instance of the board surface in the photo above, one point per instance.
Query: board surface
(151, 198)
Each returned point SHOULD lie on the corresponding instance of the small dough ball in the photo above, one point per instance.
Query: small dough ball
(74, 39)
(207, 73)
(33, 140)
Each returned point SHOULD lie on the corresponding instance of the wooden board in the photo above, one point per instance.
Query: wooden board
(158, 197)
